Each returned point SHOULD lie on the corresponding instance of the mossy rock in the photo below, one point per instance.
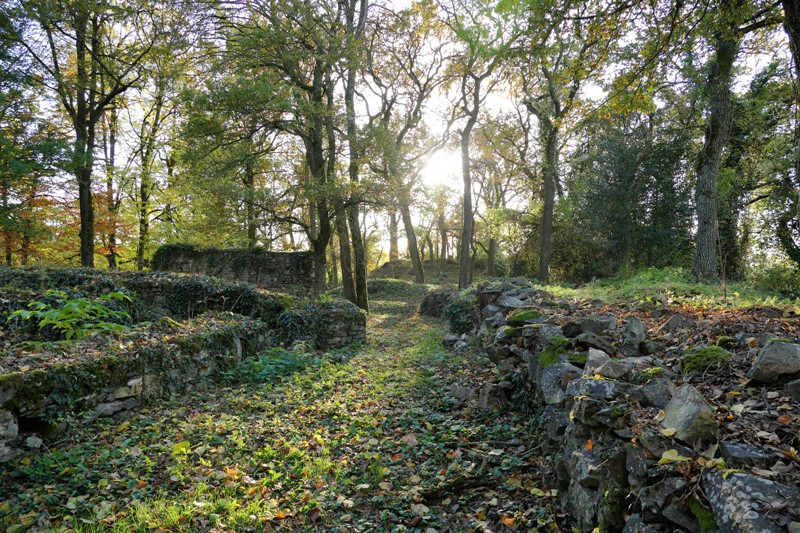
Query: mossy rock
(552, 353)
(705, 516)
(520, 317)
(726, 342)
(508, 332)
(701, 358)
(578, 358)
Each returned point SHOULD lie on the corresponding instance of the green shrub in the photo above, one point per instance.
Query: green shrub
(273, 364)
(76, 317)
(460, 313)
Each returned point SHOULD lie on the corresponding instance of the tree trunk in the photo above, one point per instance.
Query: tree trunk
(355, 23)
(250, 204)
(467, 226)
(791, 24)
(549, 178)
(720, 76)
(110, 147)
(394, 248)
(345, 258)
(144, 221)
(413, 247)
(491, 267)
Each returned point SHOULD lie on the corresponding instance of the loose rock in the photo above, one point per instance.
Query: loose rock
(777, 362)
(691, 416)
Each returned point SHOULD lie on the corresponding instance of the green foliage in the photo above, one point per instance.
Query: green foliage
(628, 205)
(674, 284)
(273, 364)
(777, 278)
(460, 313)
(701, 358)
(76, 317)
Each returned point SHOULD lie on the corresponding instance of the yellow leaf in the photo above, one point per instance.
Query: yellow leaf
(668, 432)
(672, 456)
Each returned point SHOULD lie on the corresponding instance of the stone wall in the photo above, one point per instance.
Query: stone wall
(156, 366)
(283, 271)
(635, 444)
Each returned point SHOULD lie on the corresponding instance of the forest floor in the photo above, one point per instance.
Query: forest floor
(367, 439)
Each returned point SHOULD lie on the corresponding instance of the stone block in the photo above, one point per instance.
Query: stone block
(691, 416)
(746, 503)
(777, 362)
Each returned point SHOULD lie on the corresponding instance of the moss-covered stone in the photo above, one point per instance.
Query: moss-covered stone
(520, 317)
(701, 358)
(578, 358)
(507, 332)
(705, 516)
(552, 353)
(726, 342)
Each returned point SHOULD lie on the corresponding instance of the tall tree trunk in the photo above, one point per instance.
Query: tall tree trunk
(467, 225)
(411, 237)
(549, 179)
(394, 249)
(443, 254)
(250, 204)
(144, 219)
(345, 257)
(787, 224)
(720, 77)
(491, 267)
(7, 231)
(110, 148)
(355, 16)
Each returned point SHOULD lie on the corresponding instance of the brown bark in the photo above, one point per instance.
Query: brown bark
(394, 248)
(720, 77)
(413, 247)
(549, 179)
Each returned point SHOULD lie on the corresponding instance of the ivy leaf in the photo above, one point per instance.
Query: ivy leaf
(672, 456)
(182, 448)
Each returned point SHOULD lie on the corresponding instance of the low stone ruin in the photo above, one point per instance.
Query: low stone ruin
(282, 271)
(646, 435)
(191, 329)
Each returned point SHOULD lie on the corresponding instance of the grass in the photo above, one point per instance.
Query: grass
(356, 440)
(677, 286)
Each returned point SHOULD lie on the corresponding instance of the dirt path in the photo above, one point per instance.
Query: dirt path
(367, 440)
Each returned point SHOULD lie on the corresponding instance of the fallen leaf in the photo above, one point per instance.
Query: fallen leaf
(672, 456)
(669, 432)
(508, 520)
(410, 440)
(589, 445)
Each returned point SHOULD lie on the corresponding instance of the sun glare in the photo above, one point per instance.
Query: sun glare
(443, 168)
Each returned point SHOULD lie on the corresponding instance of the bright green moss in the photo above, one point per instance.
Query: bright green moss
(553, 352)
(706, 518)
(523, 316)
(702, 358)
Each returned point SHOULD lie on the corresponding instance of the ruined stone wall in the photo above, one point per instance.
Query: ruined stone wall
(293, 272)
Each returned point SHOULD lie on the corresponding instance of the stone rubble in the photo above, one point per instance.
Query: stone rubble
(602, 390)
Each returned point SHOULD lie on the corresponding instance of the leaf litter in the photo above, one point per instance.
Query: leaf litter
(371, 443)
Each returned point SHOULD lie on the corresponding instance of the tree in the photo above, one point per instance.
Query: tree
(565, 50)
(486, 36)
(75, 45)
(729, 26)
(405, 65)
